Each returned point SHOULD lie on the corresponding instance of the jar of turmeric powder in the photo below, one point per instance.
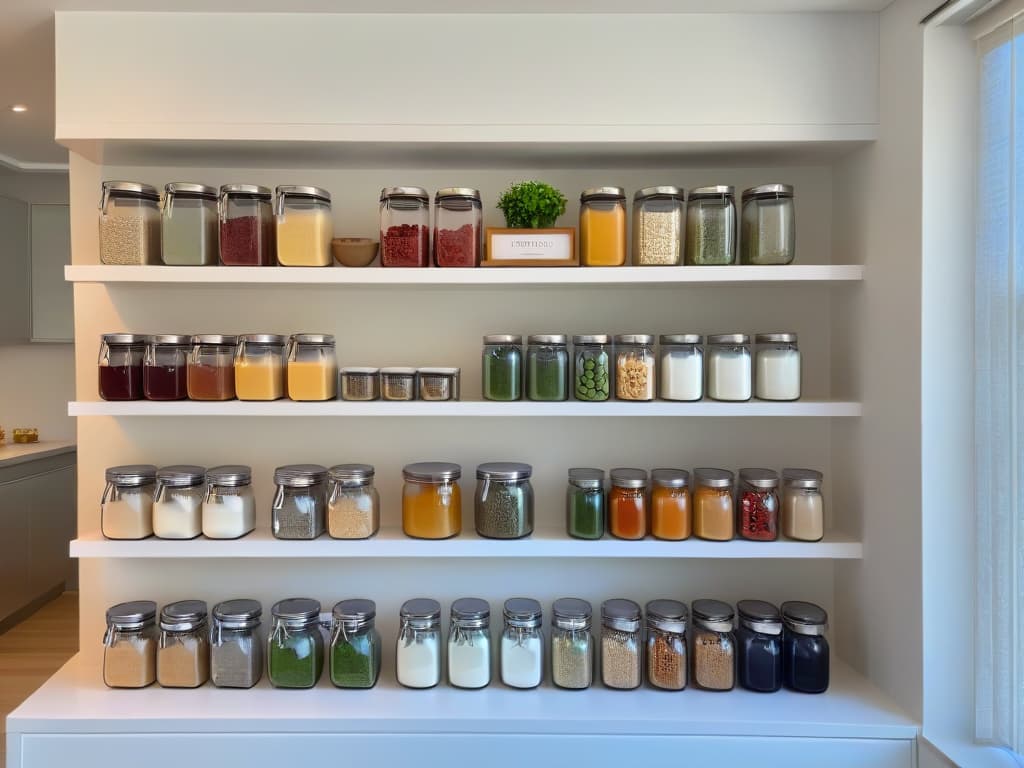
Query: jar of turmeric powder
(670, 504)
(627, 504)
(603, 227)
(713, 509)
(431, 500)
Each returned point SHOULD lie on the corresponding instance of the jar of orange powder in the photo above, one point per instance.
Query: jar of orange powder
(670, 504)
(627, 504)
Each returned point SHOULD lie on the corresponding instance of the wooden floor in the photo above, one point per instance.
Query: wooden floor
(34, 650)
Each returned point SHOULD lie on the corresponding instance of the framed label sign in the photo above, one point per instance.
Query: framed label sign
(531, 247)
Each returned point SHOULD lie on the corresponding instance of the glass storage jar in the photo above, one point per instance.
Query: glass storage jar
(469, 643)
(120, 366)
(295, 649)
(547, 367)
(298, 509)
(759, 646)
(355, 644)
(165, 367)
(603, 227)
(259, 367)
(681, 367)
(591, 380)
(129, 645)
(178, 501)
(229, 509)
(627, 504)
(584, 503)
(404, 227)
(777, 367)
(183, 658)
(768, 225)
(312, 367)
(634, 366)
(504, 500)
(666, 644)
(502, 373)
(418, 651)
(211, 367)
(458, 227)
(236, 648)
(360, 384)
(398, 383)
(522, 643)
(758, 505)
(659, 215)
(729, 367)
(805, 653)
(621, 644)
(304, 226)
(247, 226)
(126, 509)
(713, 507)
(671, 518)
(431, 500)
(572, 646)
(353, 504)
(711, 226)
(714, 646)
(189, 225)
(436, 384)
(803, 506)
(129, 223)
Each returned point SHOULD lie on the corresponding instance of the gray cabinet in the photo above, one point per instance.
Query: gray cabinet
(15, 313)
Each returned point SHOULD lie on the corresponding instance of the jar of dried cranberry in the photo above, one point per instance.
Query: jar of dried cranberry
(758, 504)
(458, 224)
(404, 227)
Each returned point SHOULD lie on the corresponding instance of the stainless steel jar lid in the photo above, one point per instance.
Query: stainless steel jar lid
(670, 478)
(181, 475)
(471, 613)
(667, 615)
(125, 338)
(313, 338)
(262, 338)
(586, 477)
(397, 371)
(552, 339)
(503, 339)
(131, 475)
(359, 370)
(603, 193)
(759, 478)
(775, 338)
(355, 613)
(351, 474)
(130, 189)
(132, 615)
(634, 338)
(728, 339)
(251, 190)
(713, 615)
(571, 613)
(592, 338)
(504, 470)
(229, 475)
(183, 616)
(681, 338)
(238, 614)
(170, 340)
(421, 613)
(191, 190)
(215, 339)
(299, 190)
(524, 612)
(710, 477)
(802, 478)
(768, 190)
(450, 192)
(439, 371)
(720, 190)
(625, 477)
(299, 475)
(432, 471)
(419, 193)
(804, 618)
(297, 612)
(620, 614)
(666, 191)
(759, 616)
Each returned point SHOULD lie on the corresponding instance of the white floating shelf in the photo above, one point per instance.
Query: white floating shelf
(392, 543)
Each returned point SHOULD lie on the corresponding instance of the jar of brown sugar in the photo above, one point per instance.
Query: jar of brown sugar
(621, 644)
(713, 509)
(183, 658)
(714, 646)
(666, 644)
(129, 645)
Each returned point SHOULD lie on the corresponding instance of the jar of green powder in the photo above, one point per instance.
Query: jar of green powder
(189, 225)
(355, 644)
(590, 367)
(502, 367)
(585, 503)
(711, 226)
(547, 367)
(503, 504)
(295, 650)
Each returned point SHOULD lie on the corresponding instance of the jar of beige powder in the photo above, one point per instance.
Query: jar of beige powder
(129, 645)
(183, 656)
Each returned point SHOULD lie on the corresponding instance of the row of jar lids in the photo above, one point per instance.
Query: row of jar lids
(559, 339)
(708, 477)
(218, 339)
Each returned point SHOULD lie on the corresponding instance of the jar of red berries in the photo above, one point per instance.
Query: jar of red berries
(757, 505)
(404, 227)
(458, 226)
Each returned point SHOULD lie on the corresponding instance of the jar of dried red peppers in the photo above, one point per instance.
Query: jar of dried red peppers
(404, 227)
(758, 505)
(458, 224)
(627, 504)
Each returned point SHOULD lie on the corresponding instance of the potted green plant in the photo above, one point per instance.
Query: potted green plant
(530, 238)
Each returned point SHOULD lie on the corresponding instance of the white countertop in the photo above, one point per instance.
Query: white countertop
(19, 453)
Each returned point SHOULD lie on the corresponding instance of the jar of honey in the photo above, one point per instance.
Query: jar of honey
(627, 504)
(713, 509)
(603, 227)
(431, 500)
(312, 367)
(670, 504)
(211, 367)
(259, 367)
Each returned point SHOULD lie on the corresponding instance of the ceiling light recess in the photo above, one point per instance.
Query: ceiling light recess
(19, 108)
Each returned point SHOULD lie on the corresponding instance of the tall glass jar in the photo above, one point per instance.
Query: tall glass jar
(805, 652)
(803, 506)
(304, 226)
(522, 643)
(229, 509)
(572, 645)
(129, 645)
(469, 643)
(729, 367)
(759, 646)
(404, 227)
(353, 504)
(259, 367)
(504, 500)
(671, 516)
(711, 226)
(183, 658)
(502, 363)
(666, 644)
(634, 366)
(312, 367)
(189, 225)
(768, 225)
(299, 502)
(211, 367)
(681, 367)
(165, 367)
(584, 503)
(120, 366)
(126, 509)
(621, 644)
(659, 215)
(603, 227)
(247, 236)
(777, 367)
(714, 646)
(431, 500)
(355, 651)
(547, 367)
(627, 504)
(758, 505)
(129, 223)
(236, 648)
(418, 651)
(458, 227)
(591, 378)
(713, 505)
(178, 501)
(295, 649)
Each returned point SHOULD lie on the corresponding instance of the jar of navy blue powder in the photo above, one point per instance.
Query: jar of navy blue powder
(805, 666)
(759, 646)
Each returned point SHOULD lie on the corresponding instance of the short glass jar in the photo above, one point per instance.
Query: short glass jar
(585, 503)
(547, 367)
(714, 515)
(522, 643)
(621, 644)
(671, 516)
(236, 648)
(353, 504)
(126, 508)
(805, 652)
(299, 505)
(659, 215)
(590, 368)
(503, 504)
(165, 367)
(711, 226)
(439, 384)
(431, 500)
(312, 367)
(572, 645)
(666, 644)
(259, 367)
(355, 651)
(603, 227)
(458, 227)
(360, 384)
(759, 646)
(502, 367)
(803, 506)
(129, 223)
(714, 646)
(211, 367)
(681, 367)
(627, 504)
(178, 501)
(247, 226)
(183, 658)
(129, 645)
(295, 648)
(418, 651)
(304, 226)
(768, 225)
(776, 367)
(729, 367)
(229, 509)
(120, 366)
(189, 225)
(634, 366)
(469, 643)
(398, 384)
(758, 505)
(404, 227)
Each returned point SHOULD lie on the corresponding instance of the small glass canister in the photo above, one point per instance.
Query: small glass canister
(805, 652)
(259, 367)
(404, 227)
(236, 648)
(312, 367)
(504, 500)
(591, 379)
(458, 227)
(120, 366)
(768, 225)
(211, 367)
(129, 223)
(437, 384)
(183, 658)
(126, 509)
(671, 517)
(397, 384)
(713, 505)
(572, 645)
(603, 227)
(247, 226)
(298, 509)
(711, 226)
(714, 646)
(585, 504)
(777, 367)
(353, 504)
(229, 509)
(659, 214)
(758, 505)
(304, 226)
(295, 649)
(759, 646)
(469, 643)
(431, 500)
(681, 367)
(634, 366)
(803, 506)
(502, 373)
(129, 645)
(165, 367)
(189, 225)
(666, 644)
(547, 367)
(360, 384)
(178, 501)
(729, 367)
(418, 651)
(355, 644)
(621, 644)
(627, 504)
(522, 643)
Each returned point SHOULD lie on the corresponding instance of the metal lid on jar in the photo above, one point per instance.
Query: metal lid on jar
(297, 612)
(421, 613)
(432, 471)
(503, 338)
(262, 338)
(768, 190)
(759, 616)
(666, 191)
(170, 339)
(620, 614)
(238, 614)
(216, 339)
(625, 477)
(681, 338)
(554, 339)
(524, 612)
(439, 371)
(229, 475)
(804, 618)
(571, 613)
(299, 475)
(183, 616)
(586, 477)
(355, 613)
(471, 612)
(131, 475)
(450, 192)
(719, 190)
(135, 614)
(710, 477)
(181, 475)
(713, 615)
(667, 615)
(125, 338)
(299, 190)
(419, 193)
(359, 370)
(592, 338)
(759, 478)
(503, 470)
(313, 338)
(398, 371)
(634, 338)
(130, 188)
(775, 338)
(192, 190)
(351, 474)
(728, 339)
(802, 478)
(253, 190)
(670, 478)
(603, 193)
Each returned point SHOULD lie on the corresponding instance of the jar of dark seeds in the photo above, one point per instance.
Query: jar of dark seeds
(298, 511)
(439, 383)
(236, 650)
(711, 226)
(360, 384)
(714, 646)
(572, 646)
(398, 383)
(504, 500)
(621, 645)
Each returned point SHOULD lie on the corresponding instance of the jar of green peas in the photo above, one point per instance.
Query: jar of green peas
(590, 367)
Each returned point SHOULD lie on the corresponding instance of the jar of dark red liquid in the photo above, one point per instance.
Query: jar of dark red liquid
(404, 227)
(165, 367)
(458, 225)
(211, 367)
(246, 226)
(120, 366)
(757, 505)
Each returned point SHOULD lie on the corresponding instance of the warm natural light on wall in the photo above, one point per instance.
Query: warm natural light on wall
(19, 108)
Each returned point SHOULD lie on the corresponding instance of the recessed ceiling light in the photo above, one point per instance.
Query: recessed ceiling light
(19, 108)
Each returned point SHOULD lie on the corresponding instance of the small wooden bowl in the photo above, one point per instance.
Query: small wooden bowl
(354, 251)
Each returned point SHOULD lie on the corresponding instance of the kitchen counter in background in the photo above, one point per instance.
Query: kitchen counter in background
(19, 453)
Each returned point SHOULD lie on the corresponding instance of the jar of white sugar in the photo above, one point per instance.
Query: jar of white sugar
(229, 509)
(127, 503)
(682, 367)
(729, 367)
(469, 643)
(178, 502)
(129, 223)
(777, 367)
(418, 654)
(522, 644)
